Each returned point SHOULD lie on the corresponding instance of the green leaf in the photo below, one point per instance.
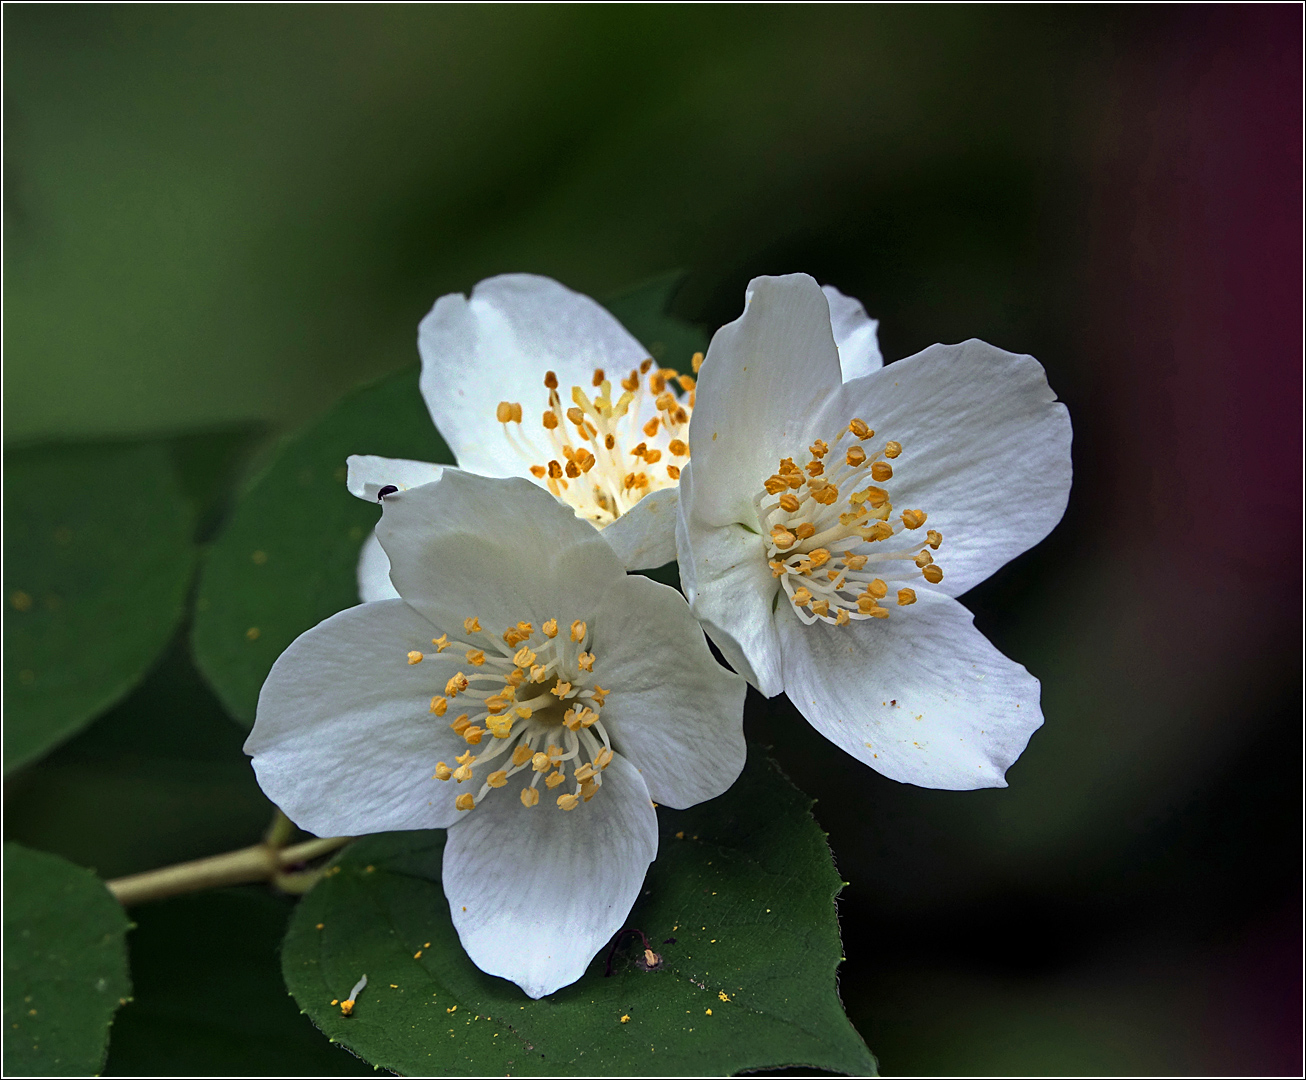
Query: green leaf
(670, 340)
(740, 904)
(98, 557)
(65, 965)
(287, 558)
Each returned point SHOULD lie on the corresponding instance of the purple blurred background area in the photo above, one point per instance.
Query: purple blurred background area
(232, 215)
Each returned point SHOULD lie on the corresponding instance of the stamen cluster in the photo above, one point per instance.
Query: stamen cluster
(588, 463)
(826, 535)
(519, 686)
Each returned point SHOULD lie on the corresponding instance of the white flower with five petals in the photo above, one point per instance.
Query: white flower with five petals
(525, 693)
(803, 543)
(528, 378)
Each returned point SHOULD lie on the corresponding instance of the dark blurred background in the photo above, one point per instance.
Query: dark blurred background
(221, 219)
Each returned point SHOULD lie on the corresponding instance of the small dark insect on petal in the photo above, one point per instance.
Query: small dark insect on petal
(389, 489)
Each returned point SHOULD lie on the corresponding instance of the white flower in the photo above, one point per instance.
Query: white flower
(528, 378)
(538, 746)
(802, 539)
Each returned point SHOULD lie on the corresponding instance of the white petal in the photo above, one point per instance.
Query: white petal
(674, 711)
(986, 450)
(730, 588)
(922, 696)
(497, 346)
(344, 741)
(854, 333)
(760, 386)
(368, 474)
(374, 572)
(536, 892)
(500, 550)
(645, 536)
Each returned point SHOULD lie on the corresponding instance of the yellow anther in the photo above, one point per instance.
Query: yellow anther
(819, 557)
(826, 495)
(678, 448)
(456, 683)
(529, 796)
(789, 502)
(568, 802)
(521, 753)
(631, 382)
(442, 771)
(550, 628)
(859, 428)
(439, 705)
(465, 801)
(881, 471)
(818, 449)
(696, 362)
(598, 377)
(852, 517)
(461, 724)
(856, 456)
(473, 734)
(578, 629)
(554, 779)
(571, 719)
(463, 772)
(551, 380)
(913, 519)
(867, 604)
(881, 530)
(524, 711)
(539, 472)
(609, 441)
(604, 758)
(776, 484)
(782, 537)
(585, 661)
(657, 382)
(572, 469)
(805, 530)
(555, 470)
(497, 778)
(540, 762)
(877, 589)
(504, 412)
(524, 657)
(841, 617)
(652, 457)
(599, 694)
(465, 758)
(815, 468)
(472, 625)
(500, 726)
(892, 449)
(934, 538)
(821, 607)
(441, 643)
(539, 673)
(651, 428)
(854, 562)
(414, 657)
(584, 773)
(588, 717)
(686, 382)
(561, 690)
(906, 596)
(549, 419)
(515, 678)
(777, 568)
(476, 657)
(589, 789)
(645, 364)
(576, 417)
(873, 495)
(673, 472)
(933, 574)
(802, 597)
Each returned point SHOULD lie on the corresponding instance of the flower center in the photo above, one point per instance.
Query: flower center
(589, 465)
(533, 694)
(831, 541)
